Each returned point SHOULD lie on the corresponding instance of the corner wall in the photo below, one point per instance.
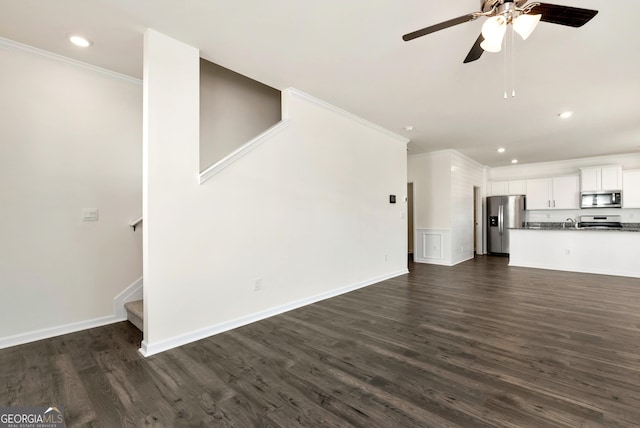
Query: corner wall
(465, 174)
(443, 186)
(70, 139)
(303, 216)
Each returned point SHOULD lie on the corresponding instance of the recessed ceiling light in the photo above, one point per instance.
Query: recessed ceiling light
(408, 128)
(77, 40)
(565, 114)
(514, 160)
(501, 150)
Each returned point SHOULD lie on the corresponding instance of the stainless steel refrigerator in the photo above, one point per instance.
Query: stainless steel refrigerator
(503, 212)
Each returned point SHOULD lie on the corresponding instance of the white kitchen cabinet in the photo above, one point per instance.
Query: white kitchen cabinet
(631, 188)
(597, 178)
(499, 188)
(538, 197)
(513, 187)
(566, 192)
(553, 193)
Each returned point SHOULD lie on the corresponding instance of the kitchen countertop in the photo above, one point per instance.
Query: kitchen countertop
(626, 227)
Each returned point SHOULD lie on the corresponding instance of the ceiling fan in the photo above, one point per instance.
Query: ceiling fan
(522, 16)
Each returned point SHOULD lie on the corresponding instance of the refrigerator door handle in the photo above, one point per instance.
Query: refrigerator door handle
(500, 219)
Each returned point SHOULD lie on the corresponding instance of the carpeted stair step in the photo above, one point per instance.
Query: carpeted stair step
(135, 313)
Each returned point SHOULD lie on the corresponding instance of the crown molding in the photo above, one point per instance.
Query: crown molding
(31, 50)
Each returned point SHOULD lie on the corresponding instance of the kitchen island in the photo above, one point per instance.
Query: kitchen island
(600, 251)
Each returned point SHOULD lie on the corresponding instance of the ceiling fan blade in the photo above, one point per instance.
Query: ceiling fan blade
(476, 51)
(438, 27)
(563, 15)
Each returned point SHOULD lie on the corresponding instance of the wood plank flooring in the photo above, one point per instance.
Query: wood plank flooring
(477, 345)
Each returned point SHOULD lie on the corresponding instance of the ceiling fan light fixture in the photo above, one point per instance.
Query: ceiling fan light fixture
(488, 47)
(493, 31)
(525, 24)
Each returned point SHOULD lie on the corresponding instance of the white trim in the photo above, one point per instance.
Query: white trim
(242, 150)
(420, 254)
(129, 294)
(11, 44)
(463, 259)
(46, 333)
(183, 339)
(334, 109)
(440, 245)
(451, 152)
(433, 262)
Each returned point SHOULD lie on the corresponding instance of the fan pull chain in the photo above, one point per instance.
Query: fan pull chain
(505, 68)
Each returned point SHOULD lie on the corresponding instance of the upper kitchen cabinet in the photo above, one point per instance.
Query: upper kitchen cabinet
(631, 188)
(596, 178)
(505, 188)
(553, 193)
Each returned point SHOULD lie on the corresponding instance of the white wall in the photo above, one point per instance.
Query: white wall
(70, 139)
(443, 183)
(306, 213)
(431, 175)
(465, 174)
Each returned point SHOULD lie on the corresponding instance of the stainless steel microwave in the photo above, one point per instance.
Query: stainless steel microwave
(611, 199)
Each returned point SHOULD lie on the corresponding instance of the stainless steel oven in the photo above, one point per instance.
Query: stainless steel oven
(600, 222)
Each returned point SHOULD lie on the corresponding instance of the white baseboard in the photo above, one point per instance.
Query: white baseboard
(433, 262)
(462, 259)
(132, 292)
(46, 333)
(129, 294)
(164, 345)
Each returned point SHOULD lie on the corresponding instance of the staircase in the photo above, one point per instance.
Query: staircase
(135, 313)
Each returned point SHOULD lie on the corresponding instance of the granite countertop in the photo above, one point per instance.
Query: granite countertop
(626, 227)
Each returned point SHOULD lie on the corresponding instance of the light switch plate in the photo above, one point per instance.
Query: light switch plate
(89, 214)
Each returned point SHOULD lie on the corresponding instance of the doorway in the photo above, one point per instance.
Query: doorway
(410, 233)
(477, 215)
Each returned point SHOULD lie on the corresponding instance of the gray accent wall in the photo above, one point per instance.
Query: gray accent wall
(233, 110)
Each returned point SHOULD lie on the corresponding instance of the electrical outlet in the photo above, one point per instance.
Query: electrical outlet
(386, 257)
(567, 251)
(257, 285)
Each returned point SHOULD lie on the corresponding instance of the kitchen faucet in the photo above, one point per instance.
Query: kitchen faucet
(572, 221)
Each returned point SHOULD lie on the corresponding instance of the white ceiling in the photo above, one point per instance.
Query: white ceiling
(350, 53)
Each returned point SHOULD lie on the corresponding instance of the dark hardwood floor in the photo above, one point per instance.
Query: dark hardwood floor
(477, 345)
